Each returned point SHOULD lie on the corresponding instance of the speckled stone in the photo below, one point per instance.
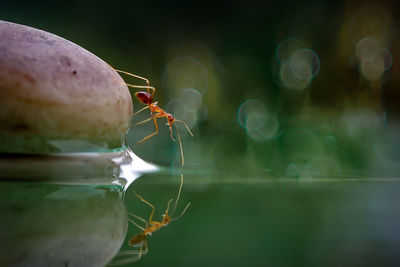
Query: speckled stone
(56, 96)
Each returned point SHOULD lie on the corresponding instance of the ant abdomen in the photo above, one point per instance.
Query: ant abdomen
(137, 240)
(144, 97)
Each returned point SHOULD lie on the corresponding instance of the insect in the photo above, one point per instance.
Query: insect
(147, 98)
(140, 240)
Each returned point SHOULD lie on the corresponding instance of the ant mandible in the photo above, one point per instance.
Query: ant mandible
(140, 240)
(156, 112)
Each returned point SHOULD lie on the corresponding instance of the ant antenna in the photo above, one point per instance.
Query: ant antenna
(182, 213)
(187, 127)
(169, 202)
(170, 130)
(180, 146)
(178, 196)
(179, 138)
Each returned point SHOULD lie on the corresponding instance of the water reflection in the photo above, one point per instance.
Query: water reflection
(148, 227)
(65, 209)
(235, 221)
(114, 168)
(60, 225)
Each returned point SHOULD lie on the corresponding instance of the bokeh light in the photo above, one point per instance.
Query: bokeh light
(373, 69)
(386, 56)
(268, 130)
(177, 107)
(287, 48)
(373, 60)
(303, 62)
(252, 114)
(185, 72)
(292, 170)
(187, 106)
(258, 122)
(192, 98)
(365, 48)
(296, 65)
(292, 81)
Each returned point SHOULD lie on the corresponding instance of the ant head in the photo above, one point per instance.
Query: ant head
(166, 219)
(170, 119)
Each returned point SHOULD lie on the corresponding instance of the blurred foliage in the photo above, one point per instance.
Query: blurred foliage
(323, 75)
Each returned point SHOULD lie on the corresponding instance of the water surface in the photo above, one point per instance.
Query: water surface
(271, 222)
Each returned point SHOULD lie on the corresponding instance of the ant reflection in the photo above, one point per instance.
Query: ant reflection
(150, 226)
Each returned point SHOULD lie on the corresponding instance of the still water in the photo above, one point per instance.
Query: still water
(236, 221)
(45, 224)
(232, 221)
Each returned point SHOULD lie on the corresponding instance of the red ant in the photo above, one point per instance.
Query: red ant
(140, 240)
(156, 112)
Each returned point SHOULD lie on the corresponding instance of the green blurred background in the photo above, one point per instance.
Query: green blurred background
(282, 89)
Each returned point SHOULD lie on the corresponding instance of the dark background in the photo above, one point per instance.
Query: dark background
(254, 123)
(340, 124)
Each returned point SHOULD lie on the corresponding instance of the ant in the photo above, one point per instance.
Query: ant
(156, 111)
(140, 240)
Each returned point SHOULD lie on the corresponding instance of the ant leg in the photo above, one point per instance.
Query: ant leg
(141, 122)
(137, 217)
(137, 112)
(143, 87)
(146, 248)
(138, 77)
(134, 114)
(138, 123)
(150, 135)
(140, 251)
(148, 203)
(133, 75)
(126, 260)
(137, 225)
